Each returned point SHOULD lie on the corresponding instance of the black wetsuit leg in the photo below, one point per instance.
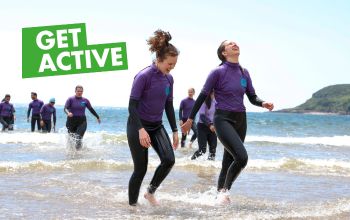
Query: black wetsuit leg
(213, 142)
(161, 144)
(76, 126)
(47, 126)
(35, 120)
(231, 130)
(195, 132)
(4, 123)
(140, 158)
(202, 140)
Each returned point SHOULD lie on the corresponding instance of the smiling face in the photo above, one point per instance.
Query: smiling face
(191, 92)
(79, 92)
(231, 49)
(167, 64)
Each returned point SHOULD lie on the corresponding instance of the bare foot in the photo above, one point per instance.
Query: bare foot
(151, 199)
(223, 198)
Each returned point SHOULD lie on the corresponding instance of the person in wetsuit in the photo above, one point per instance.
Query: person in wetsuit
(151, 94)
(7, 114)
(36, 105)
(47, 112)
(206, 130)
(76, 120)
(186, 106)
(230, 82)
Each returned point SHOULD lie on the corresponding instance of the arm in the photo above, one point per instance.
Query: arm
(170, 113)
(29, 109)
(54, 117)
(134, 115)
(92, 110)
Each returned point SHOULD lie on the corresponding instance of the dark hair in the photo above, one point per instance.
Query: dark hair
(7, 95)
(159, 44)
(79, 87)
(220, 50)
(34, 93)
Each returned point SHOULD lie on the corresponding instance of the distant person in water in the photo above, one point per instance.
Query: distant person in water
(206, 130)
(151, 94)
(36, 105)
(186, 106)
(230, 82)
(7, 114)
(76, 120)
(47, 112)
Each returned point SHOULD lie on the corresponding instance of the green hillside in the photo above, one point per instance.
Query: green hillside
(331, 99)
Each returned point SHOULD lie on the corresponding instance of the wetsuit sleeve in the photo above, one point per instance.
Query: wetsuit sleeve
(170, 113)
(29, 109)
(67, 106)
(250, 91)
(134, 115)
(54, 116)
(13, 110)
(180, 110)
(92, 110)
(41, 113)
(210, 82)
(201, 98)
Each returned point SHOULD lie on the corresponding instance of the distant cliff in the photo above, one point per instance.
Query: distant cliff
(331, 99)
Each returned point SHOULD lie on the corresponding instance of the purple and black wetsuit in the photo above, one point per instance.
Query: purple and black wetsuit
(46, 113)
(205, 135)
(7, 112)
(151, 94)
(186, 106)
(230, 82)
(36, 105)
(77, 124)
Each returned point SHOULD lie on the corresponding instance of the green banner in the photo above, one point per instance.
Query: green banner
(63, 50)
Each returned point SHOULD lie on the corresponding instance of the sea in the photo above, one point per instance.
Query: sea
(298, 168)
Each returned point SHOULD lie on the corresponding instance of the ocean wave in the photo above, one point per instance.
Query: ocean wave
(329, 141)
(329, 167)
(103, 137)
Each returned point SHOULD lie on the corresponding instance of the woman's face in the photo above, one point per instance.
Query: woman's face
(167, 64)
(79, 92)
(231, 49)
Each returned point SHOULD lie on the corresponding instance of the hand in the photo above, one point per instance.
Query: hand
(175, 140)
(181, 122)
(14, 117)
(99, 121)
(212, 128)
(186, 127)
(268, 105)
(42, 124)
(70, 114)
(145, 140)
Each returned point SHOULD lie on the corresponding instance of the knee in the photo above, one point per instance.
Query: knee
(243, 160)
(139, 173)
(168, 162)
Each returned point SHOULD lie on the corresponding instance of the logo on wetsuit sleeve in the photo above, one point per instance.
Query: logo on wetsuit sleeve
(243, 82)
(167, 90)
(83, 104)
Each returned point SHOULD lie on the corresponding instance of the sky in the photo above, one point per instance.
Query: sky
(290, 48)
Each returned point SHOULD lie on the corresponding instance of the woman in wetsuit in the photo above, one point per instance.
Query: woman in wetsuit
(151, 94)
(76, 120)
(230, 82)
